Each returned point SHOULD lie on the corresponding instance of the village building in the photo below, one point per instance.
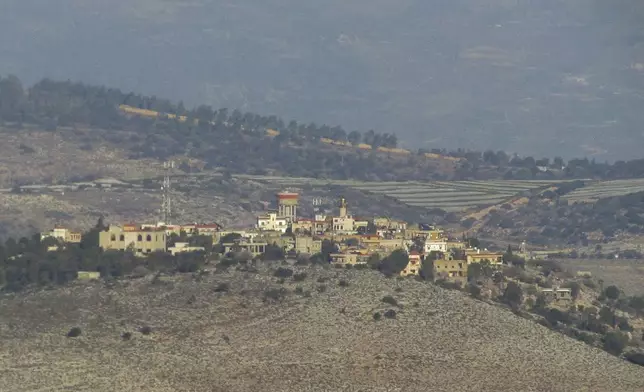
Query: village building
(133, 237)
(272, 222)
(414, 265)
(184, 247)
(478, 255)
(63, 235)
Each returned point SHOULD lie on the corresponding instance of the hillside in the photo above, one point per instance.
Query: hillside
(200, 339)
(540, 78)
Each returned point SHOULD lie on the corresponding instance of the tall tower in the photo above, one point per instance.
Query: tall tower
(287, 205)
(343, 207)
(166, 207)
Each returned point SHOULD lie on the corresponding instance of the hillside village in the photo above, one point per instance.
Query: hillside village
(341, 239)
(531, 285)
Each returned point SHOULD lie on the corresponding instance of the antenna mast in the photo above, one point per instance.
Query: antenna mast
(166, 207)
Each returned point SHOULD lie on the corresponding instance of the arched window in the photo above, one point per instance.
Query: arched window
(121, 237)
(139, 238)
(148, 238)
(113, 237)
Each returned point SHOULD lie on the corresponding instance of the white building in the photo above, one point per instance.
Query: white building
(181, 247)
(438, 245)
(271, 222)
(62, 234)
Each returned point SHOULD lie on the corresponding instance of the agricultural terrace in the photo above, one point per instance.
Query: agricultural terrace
(602, 189)
(447, 195)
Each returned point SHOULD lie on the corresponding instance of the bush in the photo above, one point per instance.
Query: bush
(349, 266)
(474, 290)
(390, 314)
(615, 342)
(74, 332)
(299, 290)
(636, 358)
(283, 273)
(299, 277)
(145, 330)
(361, 266)
(586, 338)
(321, 288)
(612, 292)
(338, 266)
(343, 283)
(126, 336)
(322, 279)
(377, 316)
(274, 295)
(388, 299)
(222, 288)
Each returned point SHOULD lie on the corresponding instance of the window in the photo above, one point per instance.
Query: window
(113, 237)
(148, 250)
(121, 237)
(140, 250)
(139, 238)
(148, 238)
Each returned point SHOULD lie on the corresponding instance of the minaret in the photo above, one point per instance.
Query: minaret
(343, 207)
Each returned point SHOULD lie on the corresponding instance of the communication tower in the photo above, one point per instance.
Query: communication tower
(166, 206)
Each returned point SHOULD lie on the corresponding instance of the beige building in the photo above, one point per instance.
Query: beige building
(413, 266)
(308, 245)
(62, 234)
(140, 241)
(477, 256)
(450, 269)
(250, 245)
(349, 257)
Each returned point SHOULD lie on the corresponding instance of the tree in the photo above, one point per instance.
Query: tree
(394, 263)
(513, 295)
(615, 342)
(612, 292)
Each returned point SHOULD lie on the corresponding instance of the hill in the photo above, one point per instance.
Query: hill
(180, 334)
(540, 78)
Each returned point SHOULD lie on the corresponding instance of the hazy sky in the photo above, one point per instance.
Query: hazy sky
(536, 77)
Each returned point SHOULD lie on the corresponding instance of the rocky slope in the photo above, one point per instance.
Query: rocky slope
(235, 341)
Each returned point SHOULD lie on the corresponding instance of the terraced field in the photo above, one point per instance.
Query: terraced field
(602, 189)
(447, 195)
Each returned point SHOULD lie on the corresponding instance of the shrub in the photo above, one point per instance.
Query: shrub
(74, 332)
(222, 288)
(299, 290)
(322, 279)
(145, 330)
(636, 358)
(274, 295)
(611, 292)
(377, 316)
(390, 314)
(586, 338)
(299, 277)
(283, 273)
(349, 266)
(614, 342)
(361, 266)
(321, 288)
(126, 336)
(338, 266)
(388, 299)
(474, 290)
(343, 283)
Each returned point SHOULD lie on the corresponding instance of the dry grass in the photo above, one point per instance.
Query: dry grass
(202, 340)
(56, 156)
(625, 274)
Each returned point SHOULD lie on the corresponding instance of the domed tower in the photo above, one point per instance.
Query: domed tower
(287, 205)
(343, 207)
